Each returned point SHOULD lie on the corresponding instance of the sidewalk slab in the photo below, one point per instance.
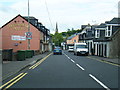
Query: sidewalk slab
(9, 68)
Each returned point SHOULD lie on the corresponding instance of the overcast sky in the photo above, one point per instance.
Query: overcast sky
(67, 13)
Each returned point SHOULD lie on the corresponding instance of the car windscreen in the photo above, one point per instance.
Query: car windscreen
(81, 46)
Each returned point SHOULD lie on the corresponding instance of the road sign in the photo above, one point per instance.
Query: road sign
(28, 35)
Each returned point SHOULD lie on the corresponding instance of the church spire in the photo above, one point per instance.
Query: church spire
(56, 30)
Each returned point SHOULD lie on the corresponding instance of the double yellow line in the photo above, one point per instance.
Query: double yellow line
(38, 63)
(13, 81)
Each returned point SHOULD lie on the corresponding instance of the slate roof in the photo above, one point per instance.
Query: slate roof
(69, 38)
(30, 17)
(83, 26)
(114, 21)
(102, 25)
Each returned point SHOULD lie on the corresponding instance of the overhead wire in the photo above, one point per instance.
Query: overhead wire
(49, 15)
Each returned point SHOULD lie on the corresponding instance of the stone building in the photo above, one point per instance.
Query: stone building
(115, 45)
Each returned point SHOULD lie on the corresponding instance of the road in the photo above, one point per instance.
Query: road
(67, 71)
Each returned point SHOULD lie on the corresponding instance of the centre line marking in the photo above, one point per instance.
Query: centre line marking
(80, 67)
(68, 57)
(72, 60)
(103, 85)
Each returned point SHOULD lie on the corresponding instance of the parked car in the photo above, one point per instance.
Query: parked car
(71, 48)
(57, 50)
(80, 49)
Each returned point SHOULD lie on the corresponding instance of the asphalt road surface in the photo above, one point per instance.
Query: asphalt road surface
(67, 71)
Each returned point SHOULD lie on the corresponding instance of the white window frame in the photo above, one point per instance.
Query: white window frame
(108, 31)
(97, 33)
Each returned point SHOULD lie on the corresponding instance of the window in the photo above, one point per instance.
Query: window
(97, 33)
(36, 23)
(108, 31)
(74, 40)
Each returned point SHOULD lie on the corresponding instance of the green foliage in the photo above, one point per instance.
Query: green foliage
(70, 32)
(58, 38)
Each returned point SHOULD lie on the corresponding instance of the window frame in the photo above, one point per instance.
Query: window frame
(108, 31)
(97, 33)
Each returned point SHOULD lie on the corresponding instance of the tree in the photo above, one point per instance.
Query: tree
(57, 39)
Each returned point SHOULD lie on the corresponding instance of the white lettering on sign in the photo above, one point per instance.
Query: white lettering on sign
(18, 38)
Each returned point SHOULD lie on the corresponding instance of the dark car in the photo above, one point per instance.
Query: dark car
(57, 50)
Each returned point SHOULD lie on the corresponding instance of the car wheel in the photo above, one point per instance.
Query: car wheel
(77, 54)
(74, 53)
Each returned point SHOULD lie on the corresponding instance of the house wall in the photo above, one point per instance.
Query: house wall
(90, 46)
(115, 46)
(101, 49)
(19, 26)
(71, 41)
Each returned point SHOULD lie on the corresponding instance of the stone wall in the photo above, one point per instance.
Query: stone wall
(115, 45)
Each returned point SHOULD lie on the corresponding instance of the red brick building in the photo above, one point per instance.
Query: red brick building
(14, 34)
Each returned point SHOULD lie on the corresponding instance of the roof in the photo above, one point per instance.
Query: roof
(114, 21)
(72, 36)
(16, 17)
(102, 25)
(30, 17)
(25, 18)
(83, 26)
(117, 31)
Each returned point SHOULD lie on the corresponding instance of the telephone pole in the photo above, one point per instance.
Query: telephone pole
(28, 27)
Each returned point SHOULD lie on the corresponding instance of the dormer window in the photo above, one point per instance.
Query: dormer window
(108, 31)
(36, 23)
(97, 33)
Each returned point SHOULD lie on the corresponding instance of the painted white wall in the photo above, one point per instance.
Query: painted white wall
(108, 49)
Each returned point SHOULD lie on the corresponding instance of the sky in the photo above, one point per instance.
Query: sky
(67, 13)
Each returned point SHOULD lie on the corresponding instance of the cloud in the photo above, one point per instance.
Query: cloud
(68, 13)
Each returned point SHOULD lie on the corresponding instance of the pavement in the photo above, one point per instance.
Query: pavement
(10, 68)
(110, 60)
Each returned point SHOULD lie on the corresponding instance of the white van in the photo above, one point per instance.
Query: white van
(80, 49)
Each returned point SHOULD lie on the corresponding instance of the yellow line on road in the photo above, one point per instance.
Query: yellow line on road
(14, 81)
(38, 63)
(33, 65)
(11, 80)
(104, 61)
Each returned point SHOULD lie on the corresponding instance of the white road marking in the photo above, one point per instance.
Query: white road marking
(72, 60)
(103, 85)
(68, 57)
(80, 67)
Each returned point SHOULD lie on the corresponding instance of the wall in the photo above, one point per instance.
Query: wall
(19, 27)
(115, 46)
(71, 41)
